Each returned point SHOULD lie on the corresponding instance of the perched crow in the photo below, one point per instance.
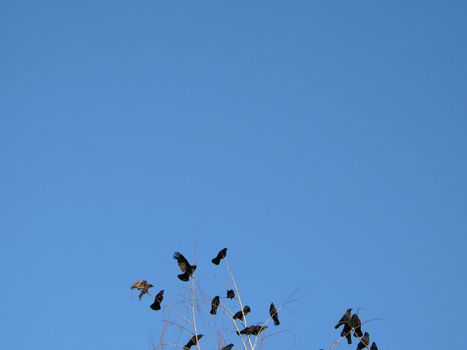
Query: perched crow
(364, 342)
(252, 330)
(344, 319)
(142, 286)
(228, 347)
(230, 294)
(347, 333)
(239, 314)
(221, 255)
(356, 324)
(192, 341)
(215, 304)
(373, 346)
(156, 305)
(184, 266)
(274, 314)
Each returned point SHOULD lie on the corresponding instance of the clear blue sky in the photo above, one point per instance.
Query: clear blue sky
(323, 142)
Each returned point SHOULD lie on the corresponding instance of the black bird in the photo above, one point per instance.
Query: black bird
(156, 305)
(230, 294)
(252, 330)
(192, 341)
(221, 255)
(344, 319)
(184, 266)
(228, 347)
(364, 342)
(274, 314)
(347, 332)
(215, 304)
(356, 324)
(239, 314)
(373, 346)
(143, 286)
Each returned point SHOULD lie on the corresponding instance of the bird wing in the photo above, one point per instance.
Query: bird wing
(272, 310)
(183, 263)
(138, 284)
(159, 296)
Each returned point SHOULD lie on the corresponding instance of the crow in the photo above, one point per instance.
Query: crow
(364, 342)
(184, 266)
(156, 305)
(214, 305)
(239, 315)
(228, 347)
(193, 341)
(142, 286)
(252, 330)
(221, 255)
(274, 314)
(373, 346)
(344, 319)
(356, 324)
(347, 332)
(230, 294)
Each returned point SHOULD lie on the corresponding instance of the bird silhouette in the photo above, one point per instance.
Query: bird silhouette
(239, 315)
(230, 294)
(347, 332)
(273, 313)
(356, 324)
(221, 255)
(364, 342)
(143, 286)
(252, 330)
(156, 305)
(193, 341)
(228, 347)
(184, 266)
(214, 305)
(344, 319)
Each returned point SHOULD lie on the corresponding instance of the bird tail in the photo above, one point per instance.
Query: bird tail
(140, 295)
(216, 261)
(184, 277)
(156, 306)
(238, 333)
(213, 311)
(276, 322)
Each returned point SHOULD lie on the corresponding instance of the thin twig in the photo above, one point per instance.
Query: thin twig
(239, 300)
(193, 311)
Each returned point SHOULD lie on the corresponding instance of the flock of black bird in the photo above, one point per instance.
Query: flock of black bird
(352, 322)
(187, 271)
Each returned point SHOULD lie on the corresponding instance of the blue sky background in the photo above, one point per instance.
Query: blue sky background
(323, 142)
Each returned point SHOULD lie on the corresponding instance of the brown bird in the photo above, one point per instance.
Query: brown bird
(239, 315)
(230, 294)
(344, 319)
(364, 342)
(156, 305)
(228, 347)
(356, 324)
(193, 341)
(221, 255)
(274, 314)
(347, 333)
(214, 305)
(184, 266)
(143, 286)
(373, 346)
(252, 330)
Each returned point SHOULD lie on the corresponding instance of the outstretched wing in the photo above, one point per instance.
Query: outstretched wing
(183, 263)
(139, 284)
(159, 297)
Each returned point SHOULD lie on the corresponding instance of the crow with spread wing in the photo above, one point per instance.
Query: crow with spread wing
(184, 266)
